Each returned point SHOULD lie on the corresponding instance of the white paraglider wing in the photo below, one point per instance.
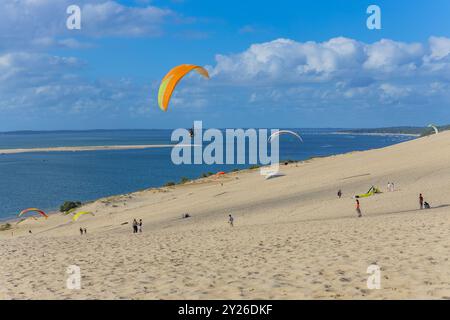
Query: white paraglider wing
(436, 130)
(282, 132)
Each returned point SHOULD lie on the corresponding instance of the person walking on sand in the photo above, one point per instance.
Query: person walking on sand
(140, 225)
(135, 224)
(85, 231)
(421, 201)
(81, 231)
(231, 220)
(358, 209)
(389, 187)
(339, 193)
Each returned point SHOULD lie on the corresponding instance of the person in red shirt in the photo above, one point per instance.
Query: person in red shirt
(358, 209)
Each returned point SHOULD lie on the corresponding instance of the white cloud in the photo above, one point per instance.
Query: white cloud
(113, 19)
(340, 74)
(41, 84)
(440, 47)
(287, 60)
(33, 23)
(337, 71)
(388, 55)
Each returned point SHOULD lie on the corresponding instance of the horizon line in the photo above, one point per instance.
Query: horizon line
(161, 129)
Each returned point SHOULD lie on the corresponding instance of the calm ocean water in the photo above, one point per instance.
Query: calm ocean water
(46, 179)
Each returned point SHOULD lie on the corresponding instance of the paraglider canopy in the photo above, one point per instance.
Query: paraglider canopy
(171, 79)
(372, 191)
(25, 219)
(77, 215)
(283, 132)
(436, 130)
(42, 213)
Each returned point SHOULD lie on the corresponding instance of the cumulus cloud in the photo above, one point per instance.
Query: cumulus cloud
(340, 75)
(113, 19)
(40, 85)
(287, 60)
(25, 23)
(384, 72)
(440, 47)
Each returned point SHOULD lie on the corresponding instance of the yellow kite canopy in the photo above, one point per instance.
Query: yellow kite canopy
(79, 214)
(373, 190)
(171, 80)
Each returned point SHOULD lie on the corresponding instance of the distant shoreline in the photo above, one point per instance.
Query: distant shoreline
(89, 148)
(377, 133)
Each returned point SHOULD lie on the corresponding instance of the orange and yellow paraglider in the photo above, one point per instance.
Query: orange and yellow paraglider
(171, 79)
(42, 213)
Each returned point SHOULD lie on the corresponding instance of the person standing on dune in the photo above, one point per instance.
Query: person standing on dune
(231, 220)
(339, 194)
(135, 226)
(421, 201)
(358, 209)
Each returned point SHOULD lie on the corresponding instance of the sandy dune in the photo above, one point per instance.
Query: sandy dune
(87, 148)
(293, 238)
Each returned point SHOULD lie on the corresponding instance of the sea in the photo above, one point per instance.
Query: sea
(46, 179)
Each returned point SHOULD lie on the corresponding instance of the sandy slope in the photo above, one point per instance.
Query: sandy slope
(293, 238)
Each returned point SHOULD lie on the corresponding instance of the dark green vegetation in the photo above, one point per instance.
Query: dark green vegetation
(207, 174)
(184, 180)
(5, 227)
(420, 131)
(68, 205)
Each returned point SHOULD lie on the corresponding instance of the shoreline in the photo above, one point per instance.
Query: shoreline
(377, 134)
(89, 148)
(55, 211)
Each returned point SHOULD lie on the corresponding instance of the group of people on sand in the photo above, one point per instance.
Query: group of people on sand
(390, 187)
(137, 226)
(83, 231)
(422, 203)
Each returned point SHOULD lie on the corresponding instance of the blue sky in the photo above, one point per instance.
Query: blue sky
(272, 64)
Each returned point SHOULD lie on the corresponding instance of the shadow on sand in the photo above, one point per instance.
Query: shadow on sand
(411, 210)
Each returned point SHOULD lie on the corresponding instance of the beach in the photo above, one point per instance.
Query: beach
(293, 238)
(86, 148)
